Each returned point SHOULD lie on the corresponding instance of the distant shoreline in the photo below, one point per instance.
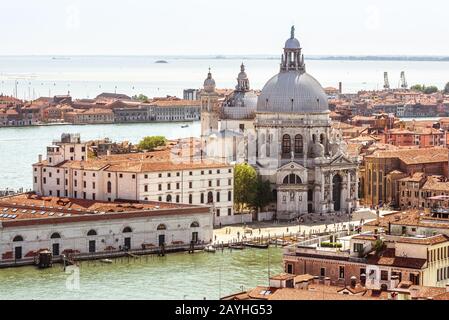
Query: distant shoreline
(433, 58)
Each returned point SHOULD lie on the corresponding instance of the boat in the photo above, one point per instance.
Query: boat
(257, 245)
(236, 247)
(210, 249)
(106, 261)
(185, 126)
(160, 61)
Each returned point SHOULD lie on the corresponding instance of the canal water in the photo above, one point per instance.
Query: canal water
(175, 276)
(20, 146)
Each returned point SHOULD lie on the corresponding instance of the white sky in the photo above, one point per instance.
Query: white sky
(180, 27)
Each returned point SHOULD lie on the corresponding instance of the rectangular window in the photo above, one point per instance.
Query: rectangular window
(84, 184)
(218, 183)
(218, 212)
(190, 184)
(358, 247)
(229, 211)
(341, 272)
(322, 272)
(210, 183)
(160, 187)
(145, 188)
(384, 275)
(93, 185)
(168, 186)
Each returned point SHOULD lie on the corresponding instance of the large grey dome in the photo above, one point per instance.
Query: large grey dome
(293, 91)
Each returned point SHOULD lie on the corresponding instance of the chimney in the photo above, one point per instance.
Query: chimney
(363, 279)
(40, 158)
(413, 293)
(316, 280)
(447, 287)
(353, 281)
(327, 281)
(394, 282)
(340, 87)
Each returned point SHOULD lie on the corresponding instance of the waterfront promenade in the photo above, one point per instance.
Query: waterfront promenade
(271, 229)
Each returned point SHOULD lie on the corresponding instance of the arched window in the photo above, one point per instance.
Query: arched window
(17, 239)
(322, 138)
(210, 197)
(286, 144)
(292, 179)
(162, 227)
(194, 224)
(299, 146)
(92, 232)
(127, 230)
(168, 199)
(109, 187)
(55, 235)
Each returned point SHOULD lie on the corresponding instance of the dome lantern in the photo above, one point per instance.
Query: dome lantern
(292, 59)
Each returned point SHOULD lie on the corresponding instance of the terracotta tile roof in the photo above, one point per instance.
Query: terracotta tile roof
(282, 276)
(414, 156)
(437, 239)
(388, 258)
(33, 209)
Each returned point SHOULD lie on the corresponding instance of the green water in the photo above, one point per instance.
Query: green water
(175, 276)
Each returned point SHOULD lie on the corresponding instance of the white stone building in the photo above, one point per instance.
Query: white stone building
(153, 176)
(293, 144)
(29, 223)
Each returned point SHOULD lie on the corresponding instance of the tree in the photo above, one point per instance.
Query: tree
(245, 179)
(417, 87)
(152, 142)
(430, 89)
(141, 97)
(262, 194)
(446, 88)
(424, 89)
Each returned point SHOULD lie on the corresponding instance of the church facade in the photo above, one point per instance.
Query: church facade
(293, 145)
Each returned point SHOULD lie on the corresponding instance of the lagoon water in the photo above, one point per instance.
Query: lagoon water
(175, 276)
(88, 76)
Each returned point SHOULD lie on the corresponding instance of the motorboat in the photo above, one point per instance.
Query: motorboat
(106, 261)
(210, 249)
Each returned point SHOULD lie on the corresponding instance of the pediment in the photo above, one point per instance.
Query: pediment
(341, 160)
(291, 166)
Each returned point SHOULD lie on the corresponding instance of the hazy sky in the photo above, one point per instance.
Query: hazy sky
(147, 27)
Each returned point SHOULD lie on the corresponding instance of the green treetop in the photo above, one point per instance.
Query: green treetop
(151, 142)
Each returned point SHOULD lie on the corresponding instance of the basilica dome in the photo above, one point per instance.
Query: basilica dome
(292, 89)
(292, 92)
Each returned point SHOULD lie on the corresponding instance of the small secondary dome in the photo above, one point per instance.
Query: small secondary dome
(209, 83)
